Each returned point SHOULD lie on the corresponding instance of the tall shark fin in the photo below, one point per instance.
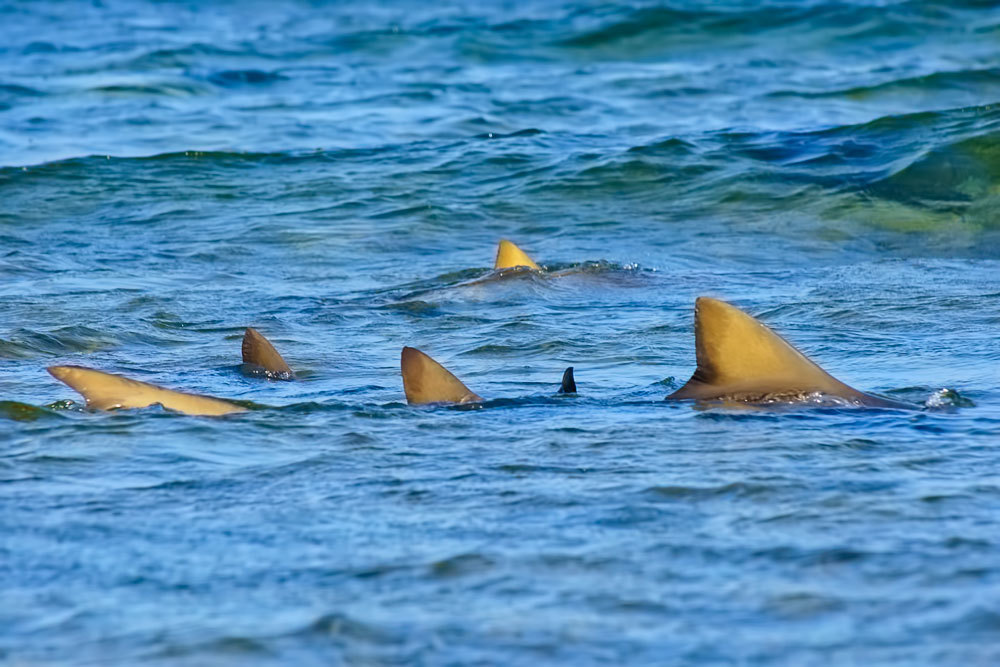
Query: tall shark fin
(106, 391)
(741, 359)
(427, 381)
(259, 352)
(509, 256)
(568, 383)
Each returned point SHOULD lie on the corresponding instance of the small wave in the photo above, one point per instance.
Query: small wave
(181, 57)
(672, 147)
(461, 565)
(521, 469)
(48, 47)
(344, 626)
(309, 407)
(801, 605)
(13, 90)
(731, 490)
(951, 174)
(255, 371)
(172, 89)
(975, 79)
(66, 404)
(528, 132)
(229, 647)
(913, 172)
(29, 344)
(75, 165)
(632, 32)
(885, 135)
(244, 77)
(947, 398)
(638, 22)
(416, 307)
(773, 403)
(982, 621)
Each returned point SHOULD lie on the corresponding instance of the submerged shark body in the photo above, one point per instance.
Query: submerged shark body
(741, 360)
(107, 391)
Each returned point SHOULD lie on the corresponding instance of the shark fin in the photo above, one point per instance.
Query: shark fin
(740, 358)
(258, 351)
(427, 381)
(568, 383)
(509, 256)
(106, 391)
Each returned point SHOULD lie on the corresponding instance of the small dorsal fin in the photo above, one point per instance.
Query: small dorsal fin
(568, 383)
(258, 351)
(509, 256)
(107, 391)
(739, 356)
(427, 381)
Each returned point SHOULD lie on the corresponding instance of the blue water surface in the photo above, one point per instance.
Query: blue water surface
(338, 175)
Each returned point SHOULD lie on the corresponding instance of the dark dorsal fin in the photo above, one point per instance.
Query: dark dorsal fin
(427, 381)
(258, 351)
(739, 356)
(568, 383)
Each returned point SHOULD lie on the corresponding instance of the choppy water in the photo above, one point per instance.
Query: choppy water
(336, 176)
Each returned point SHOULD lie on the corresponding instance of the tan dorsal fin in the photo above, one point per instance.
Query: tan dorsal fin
(258, 351)
(107, 391)
(739, 357)
(509, 256)
(427, 381)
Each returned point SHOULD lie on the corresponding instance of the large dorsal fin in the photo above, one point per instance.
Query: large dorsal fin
(739, 357)
(509, 256)
(258, 351)
(427, 381)
(107, 391)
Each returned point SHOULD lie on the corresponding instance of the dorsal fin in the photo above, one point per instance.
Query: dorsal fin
(740, 358)
(107, 391)
(427, 381)
(509, 256)
(568, 383)
(258, 351)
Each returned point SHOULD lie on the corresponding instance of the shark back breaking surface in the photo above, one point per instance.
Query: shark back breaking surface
(260, 354)
(427, 381)
(107, 391)
(740, 359)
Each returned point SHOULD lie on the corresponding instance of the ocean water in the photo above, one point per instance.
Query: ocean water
(338, 176)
